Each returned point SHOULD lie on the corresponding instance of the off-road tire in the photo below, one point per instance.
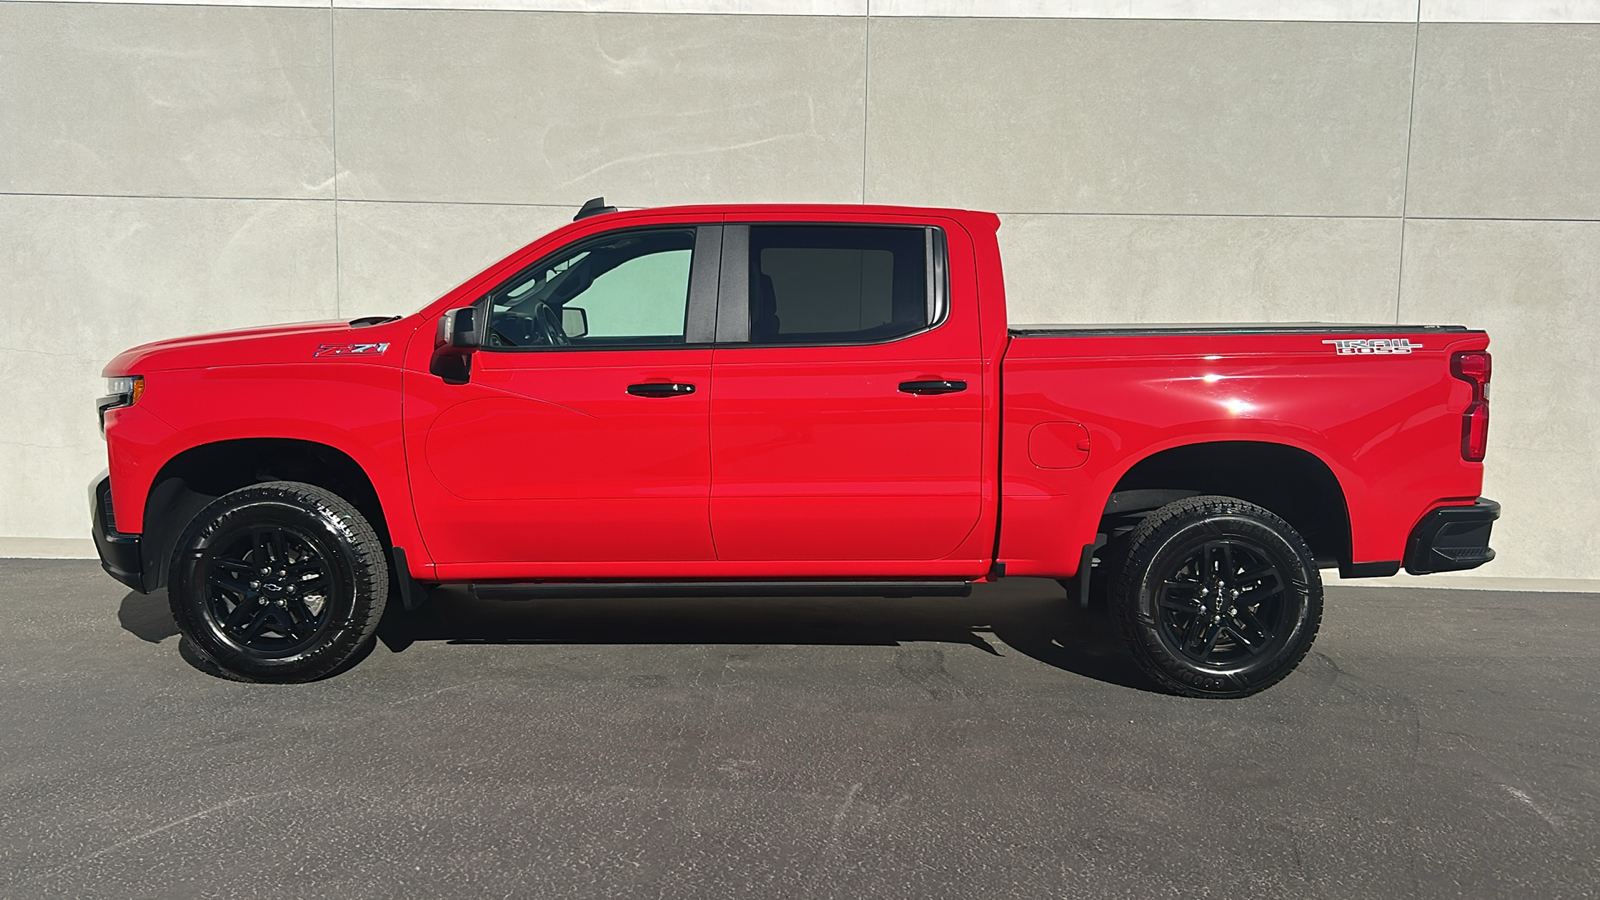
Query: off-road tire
(1228, 549)
(245, 587)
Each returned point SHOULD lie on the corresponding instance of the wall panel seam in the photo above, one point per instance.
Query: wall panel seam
(1188, 215)
(333, 101)
(1569, 12)
(213, 197)
(1405, 174)
(574, 206)
(225, 198)
(866, 95)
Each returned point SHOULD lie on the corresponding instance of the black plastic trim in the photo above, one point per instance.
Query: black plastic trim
(1452, 538)
(660, 389)
(107, 403)
(932, 387)
(119, 553)
(412, 593)
(1369, 569)
(733, 293)
(700, 325)
(1262, 328)
(1144, 499)
(594, 206)
(1085, 574)
(539, 590)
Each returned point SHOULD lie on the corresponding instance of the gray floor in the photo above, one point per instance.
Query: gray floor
(1436, 743)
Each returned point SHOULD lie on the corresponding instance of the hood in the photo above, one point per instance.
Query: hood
(298, 342)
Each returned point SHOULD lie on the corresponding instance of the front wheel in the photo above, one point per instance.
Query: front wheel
(1217, 597)
(280, 581)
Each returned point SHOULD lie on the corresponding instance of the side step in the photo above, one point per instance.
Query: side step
(540, 590)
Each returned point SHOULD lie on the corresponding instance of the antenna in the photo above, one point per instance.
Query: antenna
(595, 207)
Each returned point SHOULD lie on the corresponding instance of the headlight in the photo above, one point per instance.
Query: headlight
(126, 387)
(124, 390)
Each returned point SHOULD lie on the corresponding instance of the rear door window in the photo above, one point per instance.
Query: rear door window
(829, 284)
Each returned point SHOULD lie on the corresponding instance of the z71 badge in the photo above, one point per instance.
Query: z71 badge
(1366, 346)
(358, 350)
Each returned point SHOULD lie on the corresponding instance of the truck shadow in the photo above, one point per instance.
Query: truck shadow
(1027, 615)
(147, 616)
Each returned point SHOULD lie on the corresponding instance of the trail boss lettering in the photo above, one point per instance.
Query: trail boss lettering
(1373, 346)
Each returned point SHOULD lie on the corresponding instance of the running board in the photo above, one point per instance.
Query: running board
(540, 590)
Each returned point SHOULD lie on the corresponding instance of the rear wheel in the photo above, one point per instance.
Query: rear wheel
(1217, 597)
(279, 581)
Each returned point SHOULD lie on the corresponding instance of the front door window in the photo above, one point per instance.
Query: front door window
(620, 290)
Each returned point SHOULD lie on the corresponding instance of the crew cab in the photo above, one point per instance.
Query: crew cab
(785, 399)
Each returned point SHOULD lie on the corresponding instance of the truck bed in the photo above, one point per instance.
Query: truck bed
(1372, 409)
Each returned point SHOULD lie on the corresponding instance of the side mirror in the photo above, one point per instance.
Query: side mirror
(574, 321)
(459, 329)
(460, 335)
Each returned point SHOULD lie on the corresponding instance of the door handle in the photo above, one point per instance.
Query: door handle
(932, 387)
(660, 389)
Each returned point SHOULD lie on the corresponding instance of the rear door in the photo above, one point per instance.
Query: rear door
(846, 421)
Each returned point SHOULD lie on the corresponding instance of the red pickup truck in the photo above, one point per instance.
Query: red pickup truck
(785, 399)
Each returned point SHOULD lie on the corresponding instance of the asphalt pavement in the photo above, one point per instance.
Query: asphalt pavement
(1434, 744)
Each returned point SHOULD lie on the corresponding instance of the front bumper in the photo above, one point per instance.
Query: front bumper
(120, 554)
(1452, 538)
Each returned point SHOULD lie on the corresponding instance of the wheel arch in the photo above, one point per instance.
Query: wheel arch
(193, 478)
(1291, 481)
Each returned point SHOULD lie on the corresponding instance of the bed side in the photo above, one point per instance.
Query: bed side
(1093, 411)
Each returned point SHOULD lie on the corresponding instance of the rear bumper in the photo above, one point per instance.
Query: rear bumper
(120, 553)
(1452, 538)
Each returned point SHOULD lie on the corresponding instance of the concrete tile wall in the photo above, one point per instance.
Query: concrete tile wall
(1146, 169)
(1199, 269)
(84, 278)
(1087, 115)
(496, 107)
(1507, 122)
(397, 257)
(1504, 129)
(1534, 286)
(180, 101)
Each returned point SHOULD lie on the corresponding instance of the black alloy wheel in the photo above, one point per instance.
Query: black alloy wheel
(1223, 605)
(280, 581)
(267, 590)
(1217, 597)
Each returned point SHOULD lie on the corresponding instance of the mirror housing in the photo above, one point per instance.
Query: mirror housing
(459, 329)
(574, 321)
(460, 335)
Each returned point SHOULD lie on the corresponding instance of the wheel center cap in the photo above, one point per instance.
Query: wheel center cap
(272, 588)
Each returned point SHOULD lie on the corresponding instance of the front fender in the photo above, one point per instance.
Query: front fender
(351, 407)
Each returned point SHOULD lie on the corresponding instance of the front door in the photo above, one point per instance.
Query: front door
(581, 437)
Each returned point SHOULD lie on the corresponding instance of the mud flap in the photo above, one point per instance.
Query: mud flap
(412, 593)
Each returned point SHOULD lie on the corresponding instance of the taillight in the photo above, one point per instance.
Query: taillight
(1472, 366)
